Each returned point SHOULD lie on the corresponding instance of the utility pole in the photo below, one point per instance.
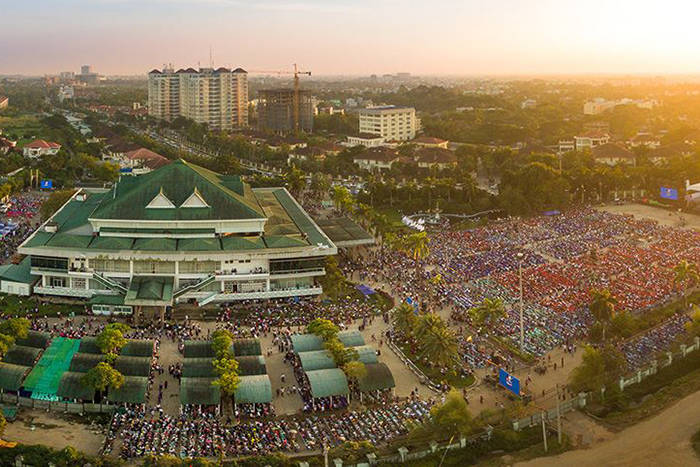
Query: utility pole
(544, 432)
(558, 418)
(520, 257)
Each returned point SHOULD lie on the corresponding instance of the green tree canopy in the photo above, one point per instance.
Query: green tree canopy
(102, 377)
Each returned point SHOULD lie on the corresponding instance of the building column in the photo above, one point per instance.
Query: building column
(267, 285)
(176, 279)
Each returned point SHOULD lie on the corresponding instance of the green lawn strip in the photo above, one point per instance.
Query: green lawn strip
(504, 448)
(434, 374)
(649, 397)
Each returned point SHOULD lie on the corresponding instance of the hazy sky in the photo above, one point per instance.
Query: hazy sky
(353, 36)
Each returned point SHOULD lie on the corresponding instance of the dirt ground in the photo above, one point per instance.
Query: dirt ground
(663, 216)
(56, 431)
(663, 440)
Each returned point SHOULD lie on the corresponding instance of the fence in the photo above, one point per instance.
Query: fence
(64, 407)
(582, 398)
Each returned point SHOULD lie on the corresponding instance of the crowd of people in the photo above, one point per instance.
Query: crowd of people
(207, 434)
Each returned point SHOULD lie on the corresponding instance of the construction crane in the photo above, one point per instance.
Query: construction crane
(296, 99)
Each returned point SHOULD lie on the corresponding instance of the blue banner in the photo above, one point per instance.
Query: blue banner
(509, 381)
(669, 193)
(46, 184)
(413, 304)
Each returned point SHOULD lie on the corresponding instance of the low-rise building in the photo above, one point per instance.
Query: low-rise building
(441, 158)
(645, 139)
(613, 154)
(662, 154)
(367, 140)
(141, 161)
(377, 159)
(390, 122)
(39, 148)
(430, 142)
(590, 140)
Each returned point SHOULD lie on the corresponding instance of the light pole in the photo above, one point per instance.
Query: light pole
(520, 256)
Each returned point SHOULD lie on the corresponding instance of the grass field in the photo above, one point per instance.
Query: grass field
(434, 374)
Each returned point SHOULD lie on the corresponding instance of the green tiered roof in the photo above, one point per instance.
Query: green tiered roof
(226, 196)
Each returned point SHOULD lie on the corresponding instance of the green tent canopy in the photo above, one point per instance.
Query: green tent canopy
(306, 342)
(11, 376)
(199, 391)
(36, 339)
(367, 354)
(255, 389)
(22, 355)
(133, 366)
(198, 368)
(316, 360)
(325, 383)
(84, 362)
(88, 344)
(351, 338)
(378, 377)
(71, 387)
(133, 391)
(246, 347)
(138, 348)
(251, 365)
(198, 349)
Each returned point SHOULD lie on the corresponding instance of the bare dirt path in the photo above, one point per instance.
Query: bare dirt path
(663, 440)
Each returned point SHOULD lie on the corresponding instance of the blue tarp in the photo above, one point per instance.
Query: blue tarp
(365, 290)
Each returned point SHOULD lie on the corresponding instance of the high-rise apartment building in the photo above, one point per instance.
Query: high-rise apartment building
(389, 122)
(217, 97)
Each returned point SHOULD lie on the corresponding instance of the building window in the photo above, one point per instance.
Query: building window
(78, 283)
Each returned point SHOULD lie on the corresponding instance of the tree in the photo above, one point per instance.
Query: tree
(103, 377)
(334, 280)
(54, 202)
(427, 322)
(355, 370)
(295, 181)
(693, 327)
(221, 342)
(320, 183)
(488, 312)
(352, 451)
(599, 368)
(602, 307)
(449, 419)
(416, 245)
(17, 328)
(688, 275)
(404, 319)
(227, 369)
(439, 346)
(110, 340)
(323, 328)
(3, 424)
(5, 343)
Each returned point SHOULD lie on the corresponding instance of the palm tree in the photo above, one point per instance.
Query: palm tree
(404, 319)
(416, 246)
(439, 347)
(341, 196)
(488, 312)
(427, 322)
(686, 274)
(381, 226)
(602, 307)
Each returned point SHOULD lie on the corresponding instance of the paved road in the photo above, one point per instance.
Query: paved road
(660, 441)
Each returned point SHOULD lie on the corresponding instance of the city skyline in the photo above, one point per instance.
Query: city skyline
(445, 37)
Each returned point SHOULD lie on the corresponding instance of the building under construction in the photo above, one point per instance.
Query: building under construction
(276, 111)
